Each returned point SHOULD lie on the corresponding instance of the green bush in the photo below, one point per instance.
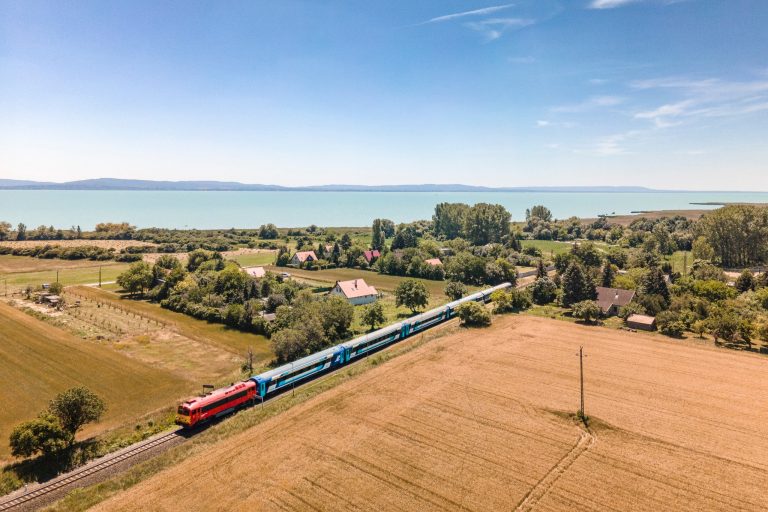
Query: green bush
(473, 314)
(670, 324)
(586, 310)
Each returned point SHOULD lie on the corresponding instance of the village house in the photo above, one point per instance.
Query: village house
(433, 261)
(371, 256)
(641, 322)
(611, 299)
(356, 291)
(302, 257)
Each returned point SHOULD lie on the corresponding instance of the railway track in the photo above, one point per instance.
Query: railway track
(79, 474)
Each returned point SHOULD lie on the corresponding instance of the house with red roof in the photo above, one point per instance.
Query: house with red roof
(356, 291)
(371, 256)
(302, 257)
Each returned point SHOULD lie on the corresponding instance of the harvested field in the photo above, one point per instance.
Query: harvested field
(11, 264)
(117, 245)
(480, 420)
(39, 360)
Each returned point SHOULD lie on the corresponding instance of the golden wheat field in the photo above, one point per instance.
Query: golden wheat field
(482, 420)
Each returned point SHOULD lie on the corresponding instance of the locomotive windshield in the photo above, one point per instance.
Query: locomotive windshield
(183, 411)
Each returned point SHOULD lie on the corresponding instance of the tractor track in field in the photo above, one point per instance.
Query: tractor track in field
(540, 489)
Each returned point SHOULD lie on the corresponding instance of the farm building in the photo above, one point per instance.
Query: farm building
(611, 299)
(255, 271)
(642, 322)
(371, 256)
(433, 261)
(302, 257)
(356, 291)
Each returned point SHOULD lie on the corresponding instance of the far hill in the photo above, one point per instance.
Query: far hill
(123, 184)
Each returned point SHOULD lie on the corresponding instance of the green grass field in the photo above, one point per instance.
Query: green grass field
(548, 248)
(255, 260)
(679, 259)
(38, 360)
(19, 271)
(219, 335)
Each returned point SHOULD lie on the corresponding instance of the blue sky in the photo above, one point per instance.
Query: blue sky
(661, 93)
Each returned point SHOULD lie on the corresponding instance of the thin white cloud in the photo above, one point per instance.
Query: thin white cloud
(494, 28)
(475, 12)
(590, 104)
(542, 124)
(703, 98)
(609, 4)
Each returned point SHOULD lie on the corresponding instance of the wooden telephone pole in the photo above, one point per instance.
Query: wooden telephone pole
(581, 379)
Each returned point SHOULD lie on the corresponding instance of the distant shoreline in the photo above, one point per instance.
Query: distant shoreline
(111, 184)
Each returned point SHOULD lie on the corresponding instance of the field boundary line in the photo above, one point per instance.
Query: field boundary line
(542, 487)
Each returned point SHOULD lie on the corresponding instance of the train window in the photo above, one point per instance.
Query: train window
(183, 411)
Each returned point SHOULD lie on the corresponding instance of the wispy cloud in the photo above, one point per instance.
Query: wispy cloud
(590, 104)
(703, 98)
(613, 145)
(475, 12)
(494, 28)
(609, 4)
(612, 4)
(554, 124)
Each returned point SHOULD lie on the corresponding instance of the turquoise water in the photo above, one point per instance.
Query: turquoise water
(293, 209)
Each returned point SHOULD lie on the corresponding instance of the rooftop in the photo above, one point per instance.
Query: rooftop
(356, 288)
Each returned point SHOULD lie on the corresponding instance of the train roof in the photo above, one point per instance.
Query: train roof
(218, 394)
(373, 335)
(317, 356)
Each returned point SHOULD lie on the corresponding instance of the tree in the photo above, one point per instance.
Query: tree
(406, 236)
(609, 273)
(448, 220)
(5, 230)
(346, 241)
(268, 231)
(411, 294)
(137, 278)
(539, 212)
(487, 223)
(633, 308)
(56, 288)
(455, 290)
(289, 345)
(543, 291)
(512, 300)
(388, 227)
(723, 323)
(577, 286)
(21, 231)
(670, 324)
(337, 315)
(654, 283)
(737, 234)
(43, 435)
(745, 281)
(377, 240)
(473, 314)
(76, 407)
(699, 327)
(586, 310)
(541, 269)
(373, 315)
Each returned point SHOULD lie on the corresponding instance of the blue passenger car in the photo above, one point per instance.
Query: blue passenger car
(299, 370)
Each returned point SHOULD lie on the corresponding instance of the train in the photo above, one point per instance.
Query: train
(200, 409)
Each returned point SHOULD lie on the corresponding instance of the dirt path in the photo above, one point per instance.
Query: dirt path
(585, 441)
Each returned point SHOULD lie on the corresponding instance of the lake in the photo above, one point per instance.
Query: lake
(204, 210)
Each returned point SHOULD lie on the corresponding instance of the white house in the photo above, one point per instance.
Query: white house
(356, 291)
(302, 257)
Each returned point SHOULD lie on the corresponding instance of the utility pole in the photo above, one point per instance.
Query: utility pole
(249, 361)
(99, 277)
(685, 263)
(581, 379)
(57, 276)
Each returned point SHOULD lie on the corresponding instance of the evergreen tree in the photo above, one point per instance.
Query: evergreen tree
(609, 274)
(745, 282)
(346, 241)
(336, 253)
(541, 270)
(653, 283)
(377, 241)
(577, 286)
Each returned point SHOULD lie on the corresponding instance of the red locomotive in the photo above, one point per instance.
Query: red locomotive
(217, 403)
